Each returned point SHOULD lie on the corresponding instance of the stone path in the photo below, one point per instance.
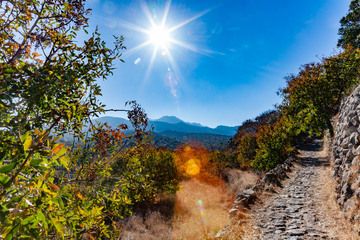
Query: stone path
(294, 212)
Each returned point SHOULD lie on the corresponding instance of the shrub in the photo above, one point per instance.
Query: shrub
(246, 150)
(145, 172)
(274, 144)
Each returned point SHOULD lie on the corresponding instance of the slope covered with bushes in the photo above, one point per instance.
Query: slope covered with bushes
(309, 100)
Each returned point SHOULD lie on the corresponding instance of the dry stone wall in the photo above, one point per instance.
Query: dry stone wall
(346, 157)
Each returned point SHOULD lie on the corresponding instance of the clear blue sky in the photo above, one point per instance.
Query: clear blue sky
(243, 51)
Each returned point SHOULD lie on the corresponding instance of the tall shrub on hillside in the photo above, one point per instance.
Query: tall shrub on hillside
(246, 150)
(145, 172)
(274, 144)
(310, 99)
(243, 145)
(350, 27)
(318, 89)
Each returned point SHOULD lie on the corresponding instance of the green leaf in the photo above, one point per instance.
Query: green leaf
(58, 226)
(27, 220)
(4, 179)
(9, 70)
(3, 212)
(35, 162)
(41, 217)
(7, 168)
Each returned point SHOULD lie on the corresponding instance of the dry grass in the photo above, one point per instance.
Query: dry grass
(238, 180)
(151, 227)
(339, 226)
(195, 221)
(217, 198)
(200, 210)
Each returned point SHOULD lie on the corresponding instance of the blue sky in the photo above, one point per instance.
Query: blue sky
(241, 52)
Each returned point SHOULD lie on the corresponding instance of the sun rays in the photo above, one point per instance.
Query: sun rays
(161, 38)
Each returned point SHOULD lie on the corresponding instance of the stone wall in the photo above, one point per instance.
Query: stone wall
(246, 198)
(346, 157)
(271, 180)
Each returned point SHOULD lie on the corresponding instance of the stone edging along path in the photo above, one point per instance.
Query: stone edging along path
(288, 202)
(271, 180)
(246, 198)
(295, 213)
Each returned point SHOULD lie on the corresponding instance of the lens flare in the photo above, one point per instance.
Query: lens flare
(192, 167)
(202, 200)
(191, 160)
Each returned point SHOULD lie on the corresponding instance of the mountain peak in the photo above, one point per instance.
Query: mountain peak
(170, 119)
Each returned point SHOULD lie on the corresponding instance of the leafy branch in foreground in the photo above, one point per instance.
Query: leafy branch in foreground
(48, 88)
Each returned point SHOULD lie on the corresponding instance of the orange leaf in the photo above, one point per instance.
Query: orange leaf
(80, 196)
(54, 187)
(35, 54)
(57, 148)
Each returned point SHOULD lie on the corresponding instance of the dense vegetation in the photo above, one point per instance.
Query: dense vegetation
(310, 99)
(48, 88)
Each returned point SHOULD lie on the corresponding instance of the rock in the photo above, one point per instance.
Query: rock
(354, 138)
(296, 232)
(345, 152)
(271, 178)
(221, 233)
(233, 210)
(346, 191)
(356, 150)
(245, 198)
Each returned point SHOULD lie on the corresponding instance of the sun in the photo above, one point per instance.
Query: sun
(160, 37)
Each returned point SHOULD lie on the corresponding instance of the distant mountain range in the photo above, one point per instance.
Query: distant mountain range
(171, 131)
(172, 123)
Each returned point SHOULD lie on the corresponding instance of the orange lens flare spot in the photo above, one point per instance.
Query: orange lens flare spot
(187, 149)
(192, 167)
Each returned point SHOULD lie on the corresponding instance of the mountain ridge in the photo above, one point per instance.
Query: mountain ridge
(172, 123)
(171, 132)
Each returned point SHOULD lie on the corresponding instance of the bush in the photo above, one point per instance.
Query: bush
(274, 144)
(246, 150)
(145, 172)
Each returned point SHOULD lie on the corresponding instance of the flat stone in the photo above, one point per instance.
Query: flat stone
(296, 232)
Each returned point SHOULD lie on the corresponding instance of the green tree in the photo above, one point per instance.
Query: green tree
(350, 26)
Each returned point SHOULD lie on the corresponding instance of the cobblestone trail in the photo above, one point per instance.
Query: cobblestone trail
(293, 213)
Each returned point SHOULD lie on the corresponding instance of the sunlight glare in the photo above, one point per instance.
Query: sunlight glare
(163, 39)
(160, 37)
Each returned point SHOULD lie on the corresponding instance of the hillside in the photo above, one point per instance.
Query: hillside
(172, 123)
